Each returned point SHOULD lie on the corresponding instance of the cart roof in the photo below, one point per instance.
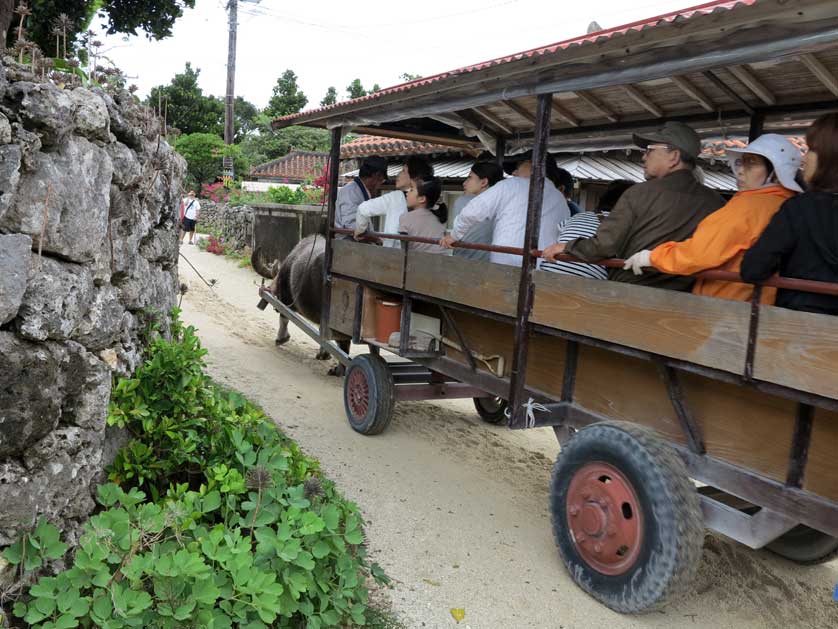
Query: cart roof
(712, 65)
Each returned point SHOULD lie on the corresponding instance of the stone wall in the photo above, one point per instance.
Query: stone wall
(234, 224)
(88, 257)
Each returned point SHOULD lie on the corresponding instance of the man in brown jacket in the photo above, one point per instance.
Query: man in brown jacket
(668, 206)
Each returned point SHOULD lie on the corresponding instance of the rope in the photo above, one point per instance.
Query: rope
(210, 283)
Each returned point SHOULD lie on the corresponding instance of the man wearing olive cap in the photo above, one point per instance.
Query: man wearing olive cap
(668, 206)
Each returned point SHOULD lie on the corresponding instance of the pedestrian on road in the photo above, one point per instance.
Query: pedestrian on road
(189, 219)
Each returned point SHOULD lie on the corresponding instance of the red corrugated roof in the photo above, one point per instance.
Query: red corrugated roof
(716, 148)
(296, 166)
(365, 145)
(683, 14)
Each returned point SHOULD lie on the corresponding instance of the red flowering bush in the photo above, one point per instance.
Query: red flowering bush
(215, 246)
(215, 192)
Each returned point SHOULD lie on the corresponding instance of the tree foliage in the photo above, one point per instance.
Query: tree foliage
(287, 97)
(203, 153)
(188, 108)
(155, 18)
(407, 77)
(266, 144)
(330, 98)
(355, 89)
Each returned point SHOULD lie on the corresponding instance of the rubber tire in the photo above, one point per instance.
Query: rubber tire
(491, 415)
(805, 546)
(673, 522)
(381, 395)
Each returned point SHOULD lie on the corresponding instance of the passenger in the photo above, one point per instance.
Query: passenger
(765, 174)
(506, 203)
(669, 206)
(371, 177)
(424, 217)
(392, 205)
(564, 182)
(801, 241)
(483, 176)
(585, 225)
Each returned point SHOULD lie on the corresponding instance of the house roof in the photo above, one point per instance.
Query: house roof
(715, 148)
(365, 145)
(297, 165)
(711, 66)
(588, 39)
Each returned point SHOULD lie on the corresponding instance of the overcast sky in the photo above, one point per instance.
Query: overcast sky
(327, 42)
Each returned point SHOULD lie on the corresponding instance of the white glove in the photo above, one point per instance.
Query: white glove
(639, 260)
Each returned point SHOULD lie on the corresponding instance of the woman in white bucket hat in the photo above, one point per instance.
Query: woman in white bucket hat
(765, 174)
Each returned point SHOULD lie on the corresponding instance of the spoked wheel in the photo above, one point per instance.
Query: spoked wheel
(368, 394)
(492, 410)
(805, 546)
(626, 517)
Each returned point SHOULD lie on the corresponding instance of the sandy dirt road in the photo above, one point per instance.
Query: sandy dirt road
(456, 509)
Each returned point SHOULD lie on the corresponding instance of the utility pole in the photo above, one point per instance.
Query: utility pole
(230, 98)
(227, 163)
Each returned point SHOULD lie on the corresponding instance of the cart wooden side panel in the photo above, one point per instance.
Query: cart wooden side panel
(701, 330)
(812, 339)
(739, 425)
(342, 312)
(821, 475)
(492, 287)
(382, 265)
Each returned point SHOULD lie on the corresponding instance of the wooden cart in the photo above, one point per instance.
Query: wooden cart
(675, 412)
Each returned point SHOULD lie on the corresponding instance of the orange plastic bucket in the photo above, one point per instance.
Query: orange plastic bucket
(388, 318)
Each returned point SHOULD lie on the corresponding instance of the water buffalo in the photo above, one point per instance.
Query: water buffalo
(298, 283)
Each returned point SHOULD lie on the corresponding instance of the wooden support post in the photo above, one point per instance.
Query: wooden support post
(799, 455)
(757, 123)
(518, 418)
(334, 170)
(500, 149)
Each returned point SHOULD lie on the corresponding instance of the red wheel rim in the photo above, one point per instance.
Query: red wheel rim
(604, 518)
(358, 390)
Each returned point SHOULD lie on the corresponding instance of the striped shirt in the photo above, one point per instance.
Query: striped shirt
(582, 225)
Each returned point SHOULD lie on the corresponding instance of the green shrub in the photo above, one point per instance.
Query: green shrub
(213, 519)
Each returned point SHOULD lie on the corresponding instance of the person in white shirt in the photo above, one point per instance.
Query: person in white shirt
(191, 210)
(483, 176)
(392, 205)
(506, 202)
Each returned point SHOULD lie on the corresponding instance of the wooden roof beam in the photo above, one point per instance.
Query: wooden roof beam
(753, 83)
(693, 92)
(520, 110)
(477, 122)
(560, 111)
(823, 73)
(593, 102)
(729, 91)
(644, 101)
(492, 119)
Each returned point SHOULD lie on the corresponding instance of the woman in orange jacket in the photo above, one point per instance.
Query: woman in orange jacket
(765, 174)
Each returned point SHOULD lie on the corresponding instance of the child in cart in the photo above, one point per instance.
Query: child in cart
(425, 218)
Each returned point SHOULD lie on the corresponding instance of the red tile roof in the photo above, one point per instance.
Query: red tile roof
(598, 36)
(295, 167)
(365, 145)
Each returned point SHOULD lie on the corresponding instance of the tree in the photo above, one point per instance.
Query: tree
(407, 77)
(355, 89)
(330, 98)
(204, 153)
(155, 18)
(246, 118)
(187, 107)
(287, 97)
(375, 88)
(266, 144)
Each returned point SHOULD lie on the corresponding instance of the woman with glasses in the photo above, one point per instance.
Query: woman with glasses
(801, 241)
(765, 174)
